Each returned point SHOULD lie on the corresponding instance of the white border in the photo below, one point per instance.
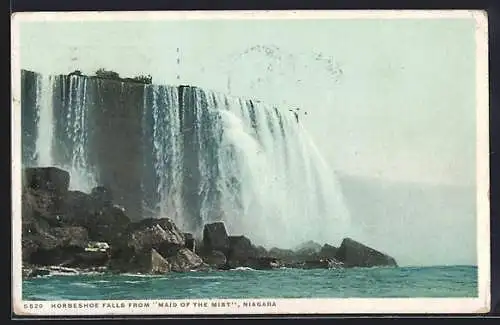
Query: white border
(282, 306)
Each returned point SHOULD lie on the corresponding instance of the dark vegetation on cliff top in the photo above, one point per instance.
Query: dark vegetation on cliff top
(111, 75)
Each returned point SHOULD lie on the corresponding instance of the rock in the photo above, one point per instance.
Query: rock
(38, 272)
(262, 252)
(89, 259)
(285, 255)
(95, 254)
(174, 235)
(71, 236)
(102, 196)
(335, 264)
(241, 251)
(241, 246)
(355, 254)
(44, 189)
(123, 258)
(78, 209)
(56, 247)
(215, 259)
(151, 262)
(38, 204)
(185, 260)
(328, 251)
(110, 224)
(26, 272)
(104, 221)
(160, 234)
(315, 264)
(158, 264)
(215, 238)
(190, 243)
(47, 179)
(146, 261)
(309, 246)
(264, 263)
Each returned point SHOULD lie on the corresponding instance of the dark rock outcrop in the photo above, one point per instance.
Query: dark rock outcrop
(241, 251)
(62, 228)
(54, 247)
(328, 251)
(149, 261)
(104, 221)
(264, 263)
(215, 238)
(160, 234)
(102, 196)
(215, 259)
(110, 224)
(287, 256)
(309, 246)
(355, 254)
(190, 242)
(185, 260)
(50, 180)
(88, 259)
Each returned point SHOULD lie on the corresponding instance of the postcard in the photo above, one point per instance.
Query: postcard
(250, 162)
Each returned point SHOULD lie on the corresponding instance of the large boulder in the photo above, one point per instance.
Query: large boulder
(241, 251)
(190, 242)
(110, 224)
(215, 259)
(146, 261)
(71, 236)
(328, 251)
(288, 256)
(152, 262)
(58, 246)
(355, 254)
(104, 221)
(308, 246)
(88, 259)
(185, 260)
(160, 234)
(215, 238)
(44, 189)
(262, 251)
(78, 209)
(40, 206)
(102, 196)
(47, 179)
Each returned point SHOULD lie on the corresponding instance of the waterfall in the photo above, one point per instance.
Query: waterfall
(75, 133)
(256, 169)
(45, 116)
(167, 150)
(77, 130)
(189, 154)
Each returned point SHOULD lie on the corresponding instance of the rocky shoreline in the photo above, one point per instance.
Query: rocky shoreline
(72, 232)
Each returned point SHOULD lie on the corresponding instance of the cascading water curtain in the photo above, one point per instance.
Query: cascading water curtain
(77, 129)
(45, 120)
(167, 151)
(274, 185)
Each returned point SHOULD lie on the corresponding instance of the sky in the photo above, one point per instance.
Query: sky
(389, 99)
